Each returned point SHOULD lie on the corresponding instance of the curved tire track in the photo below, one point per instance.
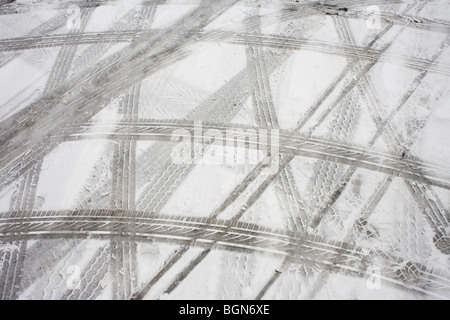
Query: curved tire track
(240, 236)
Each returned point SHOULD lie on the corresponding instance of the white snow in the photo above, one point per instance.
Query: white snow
(185, 84)
(244, 277)
(24, 77)
(6, 198)
(268, 211)
(158, 290)
(204, 190)
(151, 256)
(21, 24)
(168, 14)
(398, 225)
(105, 16)
(310, 73)
(434, 142)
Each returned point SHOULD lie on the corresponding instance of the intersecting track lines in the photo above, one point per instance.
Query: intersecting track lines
(266, 117)
(367, 210)
(349, 173)
(123, 253)
(439, 226)
(424, 196)
(380, 130)
(260, 71)
(209, 233)
(12, 264)
(66, 55)
(90, 284)
(328, 170)
(25, 196)
(58, 75)
(290, 144)
(23, 199)
(261, 40)
(44, 29)
(137, 19)
(85, 97)
(72, 104)
(197, 261)
(233, 95)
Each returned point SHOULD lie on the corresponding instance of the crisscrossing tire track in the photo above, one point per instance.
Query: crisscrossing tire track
(240, 236)
(315, 71)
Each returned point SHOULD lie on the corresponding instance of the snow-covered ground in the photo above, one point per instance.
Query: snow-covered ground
(97, 97)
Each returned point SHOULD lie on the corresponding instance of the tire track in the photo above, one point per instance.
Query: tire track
(44, 29)
(93, 274)
(108, 38)
(357, 225)
(93, 53)
(242, 236)
(123, 252)
(295, 11)
(418, 22)
(7, 259)
(407, 272)
(324, 203)
(176, 256)
(349, 173)
(256, 194)
(350, 10)
(327, 201)
(438, 218)
(65, 57)
(293, 145)
(42, 258)
(12, 271)
(434, 213)
(276, 275)
(61, 68)
(235, 92)
(187, 270)
(370, 55)
(39, 151)
(140, 29)
(330, 173)
(63, 5)
(124, 156)
(123, 268)
(26, 195)
(24, 199)
(311, 111)
(87, 38)
(265, 114)
(183, 170)
(91, 93)
(266, 117)
(62, 272)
